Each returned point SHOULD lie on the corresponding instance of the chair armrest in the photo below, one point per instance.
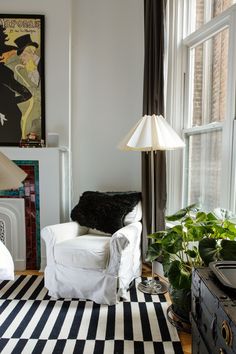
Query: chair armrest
(121, 239)
(60, 232)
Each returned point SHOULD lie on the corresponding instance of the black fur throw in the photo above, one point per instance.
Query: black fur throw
(104, 211)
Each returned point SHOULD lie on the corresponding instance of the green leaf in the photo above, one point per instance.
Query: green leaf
(231, 227)
(157, 235)
(191, 253)
(211, 216)
(207, 228)
(177, 216)
(154, 251)
(208, 250)
(195, 232)
(178, 229)
(228, 250)
(201, 216)
(172, 243)
(179, 276)
(193, 207)
(166, 262)
(180, 214)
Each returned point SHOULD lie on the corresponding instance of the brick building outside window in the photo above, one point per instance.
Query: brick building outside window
(209, 119)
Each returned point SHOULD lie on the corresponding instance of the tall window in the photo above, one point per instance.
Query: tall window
(210, 105)
(204, 10)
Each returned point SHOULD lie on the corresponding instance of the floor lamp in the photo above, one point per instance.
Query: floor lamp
(151, 133)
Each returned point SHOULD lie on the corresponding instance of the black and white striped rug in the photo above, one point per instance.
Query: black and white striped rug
(31, 322)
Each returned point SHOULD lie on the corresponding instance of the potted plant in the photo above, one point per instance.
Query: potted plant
(195, 239)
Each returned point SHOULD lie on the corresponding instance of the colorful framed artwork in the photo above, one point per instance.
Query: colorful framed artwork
(22, 81)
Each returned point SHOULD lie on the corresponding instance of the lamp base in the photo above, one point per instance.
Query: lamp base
(153, 287)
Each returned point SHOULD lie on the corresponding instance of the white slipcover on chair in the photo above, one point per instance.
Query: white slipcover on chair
(87, 264)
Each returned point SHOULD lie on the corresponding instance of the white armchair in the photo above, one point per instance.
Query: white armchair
(89, 264)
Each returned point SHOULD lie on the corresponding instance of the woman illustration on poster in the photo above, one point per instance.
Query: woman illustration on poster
(28, 72)
(12, 93)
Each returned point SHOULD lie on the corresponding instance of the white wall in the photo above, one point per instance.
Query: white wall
(57, 58)
(107, 76)
(106, 87)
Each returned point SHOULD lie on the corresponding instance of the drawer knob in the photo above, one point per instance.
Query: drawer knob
(227, 333)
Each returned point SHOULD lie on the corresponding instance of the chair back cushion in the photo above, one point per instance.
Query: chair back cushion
(106, 211)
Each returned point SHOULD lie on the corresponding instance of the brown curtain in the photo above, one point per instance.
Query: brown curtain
(153, 103)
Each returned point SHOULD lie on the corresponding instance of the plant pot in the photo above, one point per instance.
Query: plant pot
(181, 302)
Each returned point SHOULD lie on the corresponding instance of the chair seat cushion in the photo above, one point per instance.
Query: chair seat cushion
(88, 251)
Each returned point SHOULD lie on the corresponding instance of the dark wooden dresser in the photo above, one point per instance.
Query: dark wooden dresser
(213, 315)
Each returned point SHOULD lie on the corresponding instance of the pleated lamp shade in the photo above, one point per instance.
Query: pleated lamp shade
(11, 175)
(151, 133)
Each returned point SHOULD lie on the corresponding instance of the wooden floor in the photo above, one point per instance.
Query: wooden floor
(184, 337)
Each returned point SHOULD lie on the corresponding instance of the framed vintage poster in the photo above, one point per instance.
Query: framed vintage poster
(22, 93)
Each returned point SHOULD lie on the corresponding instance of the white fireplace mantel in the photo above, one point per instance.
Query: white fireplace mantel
(53, 190)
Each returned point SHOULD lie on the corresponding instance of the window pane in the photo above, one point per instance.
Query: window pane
(218, 6)
(210, 80)
(207, 9)
(199, 11)
(197, 118)
(205, 169)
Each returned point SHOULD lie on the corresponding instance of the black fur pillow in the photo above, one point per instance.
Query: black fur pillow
(104, 211)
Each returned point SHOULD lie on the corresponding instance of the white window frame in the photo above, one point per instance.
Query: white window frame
(174, 99)
(178, 96)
